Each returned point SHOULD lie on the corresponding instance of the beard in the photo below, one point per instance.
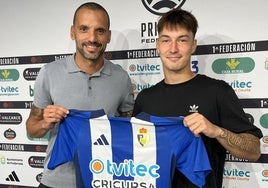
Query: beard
(91, 56)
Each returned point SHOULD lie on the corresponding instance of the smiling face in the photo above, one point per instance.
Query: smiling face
(91, 34)
(175, 46)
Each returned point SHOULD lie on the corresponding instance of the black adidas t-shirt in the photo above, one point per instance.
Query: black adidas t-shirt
(214, 99)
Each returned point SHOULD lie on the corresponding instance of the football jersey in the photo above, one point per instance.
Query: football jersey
(137, 152)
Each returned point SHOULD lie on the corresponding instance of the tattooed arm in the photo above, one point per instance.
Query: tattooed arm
(40, 121)
(244, 145)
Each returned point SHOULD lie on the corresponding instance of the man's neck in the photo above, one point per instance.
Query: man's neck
(88, 66)
(178, 78)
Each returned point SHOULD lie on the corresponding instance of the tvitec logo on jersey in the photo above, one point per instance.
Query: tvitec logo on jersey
(127, 168)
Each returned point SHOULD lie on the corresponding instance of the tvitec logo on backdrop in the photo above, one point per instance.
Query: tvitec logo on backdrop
(156, 7)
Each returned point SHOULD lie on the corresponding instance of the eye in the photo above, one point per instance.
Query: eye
(164, 40)
(183, 40)
(83, 29)
(101, 31)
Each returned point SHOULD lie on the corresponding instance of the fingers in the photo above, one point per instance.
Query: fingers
(57, 109)
(195, 123)
(54, 113)
(198, 124)
(195, 128)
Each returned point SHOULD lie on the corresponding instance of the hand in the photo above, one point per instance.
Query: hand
(53, 114)
(198, 124)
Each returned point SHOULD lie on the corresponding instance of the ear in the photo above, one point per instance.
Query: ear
(72, 33)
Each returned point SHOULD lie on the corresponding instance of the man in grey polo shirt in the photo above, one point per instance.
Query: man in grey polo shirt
(84, 81)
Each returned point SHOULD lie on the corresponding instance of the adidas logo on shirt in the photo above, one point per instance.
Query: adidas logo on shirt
(193, 108)
(101, 141)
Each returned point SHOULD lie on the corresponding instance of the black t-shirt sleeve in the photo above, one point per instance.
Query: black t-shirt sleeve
(232, 115)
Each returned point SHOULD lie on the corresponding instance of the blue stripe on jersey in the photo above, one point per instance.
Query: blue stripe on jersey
(124, 145)
(86, 114)
(164, 148)
(164, 156)
(82, 173)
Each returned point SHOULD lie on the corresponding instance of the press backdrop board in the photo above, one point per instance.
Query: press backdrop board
(232, 45)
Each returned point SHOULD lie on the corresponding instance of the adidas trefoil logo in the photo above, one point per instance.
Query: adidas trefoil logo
(193, 108)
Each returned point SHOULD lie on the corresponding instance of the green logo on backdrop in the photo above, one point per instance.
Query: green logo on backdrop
(7, 75)
(264, 121)
(233, 65)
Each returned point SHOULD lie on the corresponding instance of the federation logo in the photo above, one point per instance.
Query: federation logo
(143, 137)
(159, 7)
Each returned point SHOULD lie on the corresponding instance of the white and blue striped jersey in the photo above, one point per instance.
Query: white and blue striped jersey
(137, 152)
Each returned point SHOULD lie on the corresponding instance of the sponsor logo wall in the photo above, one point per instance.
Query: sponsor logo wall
(232, 45)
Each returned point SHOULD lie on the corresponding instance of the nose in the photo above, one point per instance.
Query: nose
(174, 47)
(92, 36)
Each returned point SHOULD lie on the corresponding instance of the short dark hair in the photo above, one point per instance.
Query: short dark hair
(92, 6)
(176, 17)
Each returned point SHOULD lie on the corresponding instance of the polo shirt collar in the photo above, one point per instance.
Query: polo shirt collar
(72, 67)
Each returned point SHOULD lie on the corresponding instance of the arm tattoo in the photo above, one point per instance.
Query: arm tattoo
(36, 112)
(244, 141)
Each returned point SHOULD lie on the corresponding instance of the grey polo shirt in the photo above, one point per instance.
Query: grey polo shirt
(63, 83)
